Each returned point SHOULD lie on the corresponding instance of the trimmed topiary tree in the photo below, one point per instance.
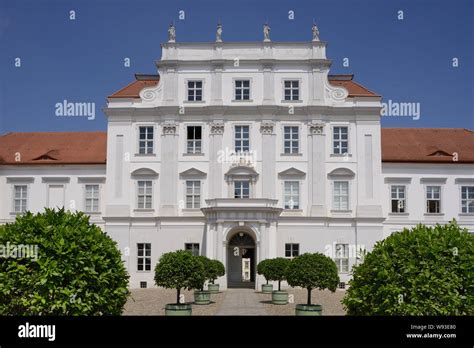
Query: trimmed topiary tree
(422, 271)
(179, 270)
(276, 269)
(313, 271)
(216, 270)
(262, 269)
(67, 266)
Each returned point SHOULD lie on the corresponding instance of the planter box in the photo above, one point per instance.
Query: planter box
(213, 288)
(178, 309)
(279, 297)
(267, 288)
(202, 297)
(312, 310)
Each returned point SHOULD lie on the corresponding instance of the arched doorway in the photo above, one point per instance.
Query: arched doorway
(241, 261)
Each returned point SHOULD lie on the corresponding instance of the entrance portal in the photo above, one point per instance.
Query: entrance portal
(241, 257)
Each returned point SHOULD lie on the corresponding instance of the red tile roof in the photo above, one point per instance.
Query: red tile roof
(142, 81)
(430, 145)
(415, 145)
(53, 148)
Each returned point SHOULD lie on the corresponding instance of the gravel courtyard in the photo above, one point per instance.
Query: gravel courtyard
(152, 302)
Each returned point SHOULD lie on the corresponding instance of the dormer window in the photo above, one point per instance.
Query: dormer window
(195, 90)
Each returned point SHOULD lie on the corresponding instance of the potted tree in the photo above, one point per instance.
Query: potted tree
(216, 270)
(262, 269)
(201, 296)
(179, 270)
(312, 271)
(277, 269)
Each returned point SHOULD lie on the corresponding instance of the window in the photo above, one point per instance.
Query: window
(292, 195)
(433, 199)
(291, 139)
(342, 258)
(144, 257)
(242, 138)
(292, 90)
(144, 194)
(194, 90)
(292, 250)
(398, 199)
(467, 199)
(92, 198)
(143, 285)
(193, 194)
(20, 198)
(241, 189)
(194, 139)
(145, 143)
(341, 195)
(242, 90)
(193, 248)
(340, 140)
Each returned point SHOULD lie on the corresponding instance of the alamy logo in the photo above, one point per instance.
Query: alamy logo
(66, 108)
(37, 331)
(392, 108)
(19, 251)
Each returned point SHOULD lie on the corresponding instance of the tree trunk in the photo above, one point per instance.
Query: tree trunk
(309, 296)
(279, 285)
(177, 295)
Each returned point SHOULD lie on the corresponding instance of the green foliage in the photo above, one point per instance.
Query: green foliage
(216, 270)
(262, 269)
(276, 269)
(422, 271)
(180, 270)
(207, 264)
(78, 271)
(313, 271)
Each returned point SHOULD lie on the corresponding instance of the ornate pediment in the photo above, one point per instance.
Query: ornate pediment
(292, 172)
(342, 172)
(144, 172)
(192, 172)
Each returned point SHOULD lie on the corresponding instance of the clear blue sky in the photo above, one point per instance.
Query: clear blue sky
(82, 60)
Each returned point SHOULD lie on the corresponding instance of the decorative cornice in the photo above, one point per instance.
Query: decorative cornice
(217, 128)
(316, 128)
(266, 127)
(170, 128)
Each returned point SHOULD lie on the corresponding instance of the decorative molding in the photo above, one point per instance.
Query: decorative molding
(144, 172)
(192, 172)
(316, 128)
(150, 94)
(266, 127)
(170, 128)
(335, 93)
(342, 172)
(291, 172)
(217, 128)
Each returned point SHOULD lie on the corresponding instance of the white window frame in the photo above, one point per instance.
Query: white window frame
(145, 194)
(292, 250)
(467, 199)
(427, 198)
(194, 204)
(188, 89)
(242, 189)
(192, 249)
(92, 198)
(235, 139)
(21, 199)
(340, 140)
(195, 150)
(144, 257)
(291, 140)
(405, 200)
(292, 183)
(284, 80)
(146, 140)
(235, 81)
(340, 257)
(337, 202)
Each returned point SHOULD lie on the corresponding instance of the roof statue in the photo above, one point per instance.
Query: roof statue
(266, 32)
(219, 32)
(171, 33)
(315, 31)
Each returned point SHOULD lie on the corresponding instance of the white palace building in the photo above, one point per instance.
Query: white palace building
(243, 151)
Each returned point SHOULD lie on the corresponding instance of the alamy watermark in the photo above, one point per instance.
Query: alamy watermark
(392, 108)
(20, 251)
(66, 108)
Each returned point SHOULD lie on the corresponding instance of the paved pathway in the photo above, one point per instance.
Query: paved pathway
(241, 302)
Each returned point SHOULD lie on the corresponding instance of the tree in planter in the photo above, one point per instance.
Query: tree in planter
(179, 270)
(277, 269)
(216, 270)
(262, 269)
(206, 262)
(422, 271)
(71, 268)
(312, 271)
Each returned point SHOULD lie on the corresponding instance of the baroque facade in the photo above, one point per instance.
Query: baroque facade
(243, 151)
